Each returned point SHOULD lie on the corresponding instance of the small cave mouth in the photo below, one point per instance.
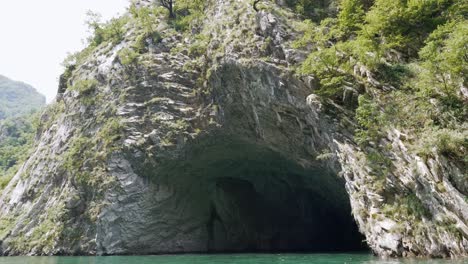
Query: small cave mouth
(254, 199)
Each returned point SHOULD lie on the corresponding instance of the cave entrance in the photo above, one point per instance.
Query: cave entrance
(253, 199)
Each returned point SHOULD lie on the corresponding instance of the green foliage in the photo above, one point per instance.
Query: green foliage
(17, 98)
(141, 41)
(417, 50)
(393, 74)
(50, 228)
(403, 25)
(351, 15)
(148, 19)
(45, 234)
(85, 87)
(445, 57)
(413, 205)
(453, 145)
(387, 27)
(448, 142)
(6, 223)
(313, 9)
(307, 28)
(73, 159)
(51, 114)
(200, 46)
(329, 63)
(79, 57)
(128, 56)
(110, 132)
(379, 163)
(189, 13)
(185, 14)
(66, 76)
(112, 31)
(408, 207)
(86, 156)
(368, 115)
(16, 140)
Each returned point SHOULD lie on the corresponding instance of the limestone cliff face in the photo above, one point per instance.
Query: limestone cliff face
(220, 150)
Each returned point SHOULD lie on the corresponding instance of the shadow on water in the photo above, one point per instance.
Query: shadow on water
(253, 198)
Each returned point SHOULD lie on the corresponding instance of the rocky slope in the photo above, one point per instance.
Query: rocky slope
(17, 98)
(209, 141)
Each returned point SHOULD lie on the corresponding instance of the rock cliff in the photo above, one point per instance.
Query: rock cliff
(210, 141)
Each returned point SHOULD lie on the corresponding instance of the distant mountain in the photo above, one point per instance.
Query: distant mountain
(18, 103)
(18, 98)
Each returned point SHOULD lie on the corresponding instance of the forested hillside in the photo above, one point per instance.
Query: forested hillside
(19, 106)
(398, 64)
(16, 138)
(18, 98)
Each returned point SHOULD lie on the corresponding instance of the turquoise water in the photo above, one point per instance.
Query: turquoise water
(223, 259)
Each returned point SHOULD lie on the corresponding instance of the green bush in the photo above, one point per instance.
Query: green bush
(407, 207)
(313, 9)
(16, 140)
(189, 13)
(113, 30)
(76, 154)
(403, 25)
(370, 120)
(200, 46)
(147, 17)
(330, 66)
(351, 15)
(85, 86)
(128, 56)
(413, 205)
(445, 57)
(453, 145)
(450, 143)
(4, 180)
(110, 132)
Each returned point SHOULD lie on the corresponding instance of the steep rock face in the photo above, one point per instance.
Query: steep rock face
(227, 151)
(436, 222)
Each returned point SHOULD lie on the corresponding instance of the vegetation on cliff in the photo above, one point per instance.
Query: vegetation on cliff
(405, 63)
(400, 67)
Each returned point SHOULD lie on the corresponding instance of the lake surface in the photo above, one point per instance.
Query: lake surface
(223, 259)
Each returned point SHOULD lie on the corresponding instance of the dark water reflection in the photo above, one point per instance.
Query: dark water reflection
(225, 259)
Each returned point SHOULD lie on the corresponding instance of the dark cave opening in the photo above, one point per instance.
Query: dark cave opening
(254, 199)
(301, 221)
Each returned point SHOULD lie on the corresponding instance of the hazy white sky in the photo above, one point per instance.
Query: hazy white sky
(35, 36)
